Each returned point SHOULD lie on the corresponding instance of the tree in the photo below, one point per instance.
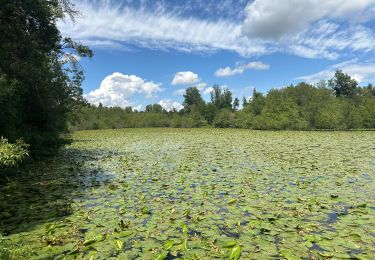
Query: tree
(216, 96)
(343, 85)
(331, 116)
(193, 100)
(154, 108)
(256, 104)
(244, 102)
(368, 91)
(281, 112)
(223, 119)
(226, 99)
(236, 104)
(128, 109)
(39, 78)
(221, 98)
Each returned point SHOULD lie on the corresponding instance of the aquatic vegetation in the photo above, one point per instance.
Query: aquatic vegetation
(195, 194)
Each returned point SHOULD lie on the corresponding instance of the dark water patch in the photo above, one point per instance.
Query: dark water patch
(194, 233)
(247, 214)
(334, 217)
(172, 257)
(45, 190)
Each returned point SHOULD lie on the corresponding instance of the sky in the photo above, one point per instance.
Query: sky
(148, 51)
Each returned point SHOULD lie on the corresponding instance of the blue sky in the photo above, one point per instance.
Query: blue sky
(151, 51)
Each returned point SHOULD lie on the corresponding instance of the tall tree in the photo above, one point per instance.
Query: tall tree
(216, 96)
(257, 103)
(343, 85)
(39, 78)
(193, 100)
(227, 99)
(221, 98)
(244, 101)
(154, 108)
(236, 104)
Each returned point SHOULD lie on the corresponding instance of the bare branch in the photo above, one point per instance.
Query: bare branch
(68, 8)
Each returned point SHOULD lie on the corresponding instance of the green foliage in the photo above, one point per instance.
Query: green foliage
(12, 154)
(155, 108)
(193, 101)
(236, 104)
(331, 116)
(221, 98)
(343, 85)
(224, 119)
(39, 77)
(299, 107)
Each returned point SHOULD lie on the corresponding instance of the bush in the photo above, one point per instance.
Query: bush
(12, 154)
(224, 119)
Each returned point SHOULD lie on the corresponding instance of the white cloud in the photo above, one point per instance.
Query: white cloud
(208, 90)
(169, 105)
(201, 85)
(310, 28)
(269, 19)
(362, 72)
(117, 89)
(241, 68)
(179, 92)
(185, 77)
(109, 23)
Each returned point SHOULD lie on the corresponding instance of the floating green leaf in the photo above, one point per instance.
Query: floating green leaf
(235, 253)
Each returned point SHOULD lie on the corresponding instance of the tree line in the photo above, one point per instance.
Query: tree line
(40, 78)
(337, 104)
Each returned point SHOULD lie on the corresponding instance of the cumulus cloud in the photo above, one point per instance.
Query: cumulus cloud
(116, 90)
(362, 72)
(185, 77)
(241, 68)
(269, 19)
(169, 105)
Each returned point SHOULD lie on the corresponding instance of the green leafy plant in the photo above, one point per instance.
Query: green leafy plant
(12, 154)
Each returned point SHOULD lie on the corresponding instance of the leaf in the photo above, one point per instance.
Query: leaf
(146, 211)
(125, 233)
(288, 254)
(89, 242)
(362, 205)
(230, 244)
(168, 245)
(235, 253)
(73, 251)
(227, 243)
(232, 201)
(184, 230)
(119, 245)
(162, 256)
(184, 245)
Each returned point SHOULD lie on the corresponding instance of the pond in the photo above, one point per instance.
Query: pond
(195, 194)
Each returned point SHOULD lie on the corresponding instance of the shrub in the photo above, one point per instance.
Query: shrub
(12, 154)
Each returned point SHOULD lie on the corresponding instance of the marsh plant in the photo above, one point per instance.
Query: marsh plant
(195, 194)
